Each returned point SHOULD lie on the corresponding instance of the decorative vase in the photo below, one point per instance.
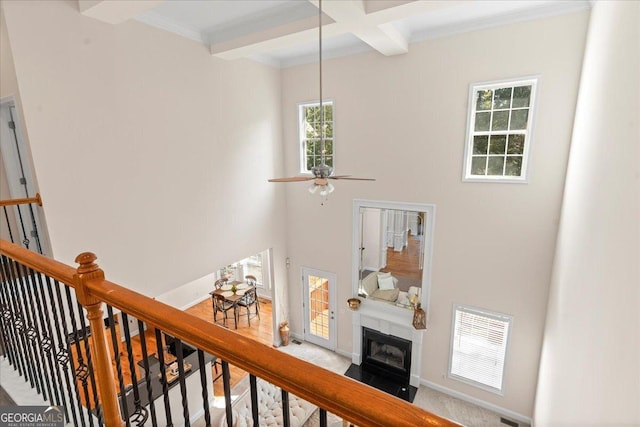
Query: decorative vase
(284, 333)
(419, 318)
(354, 303)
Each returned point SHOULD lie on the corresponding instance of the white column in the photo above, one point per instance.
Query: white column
(590, 363)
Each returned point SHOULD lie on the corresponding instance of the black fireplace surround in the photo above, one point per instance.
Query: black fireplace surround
(386, 355)
(386, 364)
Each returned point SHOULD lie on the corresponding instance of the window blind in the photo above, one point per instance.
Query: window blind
(478, 346)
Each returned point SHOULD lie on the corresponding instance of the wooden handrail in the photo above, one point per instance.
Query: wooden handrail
(343, 396)
(26, 201)
(52, 268)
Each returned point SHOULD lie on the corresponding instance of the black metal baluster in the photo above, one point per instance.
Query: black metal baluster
(92, 377)
(286, 417)
(163, 378)
(226, 383)
(15, 324)
(45, 336)
(116, 351)
(21, 327)
(82, 371)
(47, 342)
(6, 217)
(35, 228)
(253, 383)
(145, 362)
(140, 414)
(183, 386)
(4, 332)
(69, 341)
(323, 417)
(29, 331)
(26, 240)
(35, 334)
(65, 364)
(6, 317)
(205, 389)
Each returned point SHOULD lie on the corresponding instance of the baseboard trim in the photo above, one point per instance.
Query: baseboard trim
(194, 302)
(343, 353)
(486, 405)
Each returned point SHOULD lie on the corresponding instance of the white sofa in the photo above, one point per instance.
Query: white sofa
(370, 287)
(269, 406)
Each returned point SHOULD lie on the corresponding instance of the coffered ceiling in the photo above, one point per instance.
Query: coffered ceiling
(285, 32)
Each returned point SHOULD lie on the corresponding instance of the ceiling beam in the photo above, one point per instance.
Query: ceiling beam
(351, 13)
(115, 11)
(372, 21)
(282, 37)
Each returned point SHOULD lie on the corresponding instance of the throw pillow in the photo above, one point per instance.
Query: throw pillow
(370, 284)
(385, 283)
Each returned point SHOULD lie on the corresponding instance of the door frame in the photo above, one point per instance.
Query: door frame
(17, 162)
(330, 343)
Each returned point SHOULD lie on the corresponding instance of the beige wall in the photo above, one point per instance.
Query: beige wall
(8, 82)
(402, 120)
(590, 365)
(150, 152)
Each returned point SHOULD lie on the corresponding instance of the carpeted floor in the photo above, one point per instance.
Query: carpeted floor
(426, 398)
(5, 400)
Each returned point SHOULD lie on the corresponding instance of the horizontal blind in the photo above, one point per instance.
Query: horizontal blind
(479, 345)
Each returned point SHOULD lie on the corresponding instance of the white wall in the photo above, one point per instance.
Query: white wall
(371, 239)
(590, 365)
(402, 120)
(150, 152)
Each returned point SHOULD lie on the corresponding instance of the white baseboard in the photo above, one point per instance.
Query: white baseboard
(194, 302)
(486, 405)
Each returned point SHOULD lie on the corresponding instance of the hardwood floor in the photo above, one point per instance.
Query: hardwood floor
(260, 330)
(405, 263)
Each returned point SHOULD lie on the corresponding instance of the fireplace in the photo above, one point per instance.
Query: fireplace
(386, 355)
(386, 364)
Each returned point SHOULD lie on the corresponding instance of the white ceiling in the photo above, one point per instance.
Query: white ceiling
(285, 32)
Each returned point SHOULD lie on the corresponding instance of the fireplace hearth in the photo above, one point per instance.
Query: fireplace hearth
(386, 364)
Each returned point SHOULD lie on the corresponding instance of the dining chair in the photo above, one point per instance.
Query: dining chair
(220, 304)
(252, 281)
(250, 298)
(220, 282)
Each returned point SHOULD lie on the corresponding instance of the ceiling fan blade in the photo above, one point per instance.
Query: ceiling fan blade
(292, 179)
(351, 178)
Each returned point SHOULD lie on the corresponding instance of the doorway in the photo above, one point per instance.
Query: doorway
(16, 171)
(319, 307)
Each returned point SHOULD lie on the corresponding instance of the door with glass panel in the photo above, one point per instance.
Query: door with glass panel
(319, 307)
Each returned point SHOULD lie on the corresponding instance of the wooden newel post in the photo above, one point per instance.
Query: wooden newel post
(87, 272)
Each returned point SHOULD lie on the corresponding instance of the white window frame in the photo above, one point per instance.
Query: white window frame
(263, 286)
(498, 317)
(302, 137)
(474, 88)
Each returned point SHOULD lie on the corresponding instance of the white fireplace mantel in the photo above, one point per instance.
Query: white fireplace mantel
(388, 320)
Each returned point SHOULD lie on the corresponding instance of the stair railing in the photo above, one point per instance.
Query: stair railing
(26, 274)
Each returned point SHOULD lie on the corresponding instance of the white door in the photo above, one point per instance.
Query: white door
(319, 307)
(13, 153)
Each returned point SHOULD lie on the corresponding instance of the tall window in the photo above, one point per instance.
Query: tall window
(255, 265)
(499, 130)
(478, 347)
(310, 131)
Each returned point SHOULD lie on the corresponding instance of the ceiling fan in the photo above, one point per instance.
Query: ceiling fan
(322, 173)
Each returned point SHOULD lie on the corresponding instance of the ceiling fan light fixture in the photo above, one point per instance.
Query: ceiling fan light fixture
(321, 172)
